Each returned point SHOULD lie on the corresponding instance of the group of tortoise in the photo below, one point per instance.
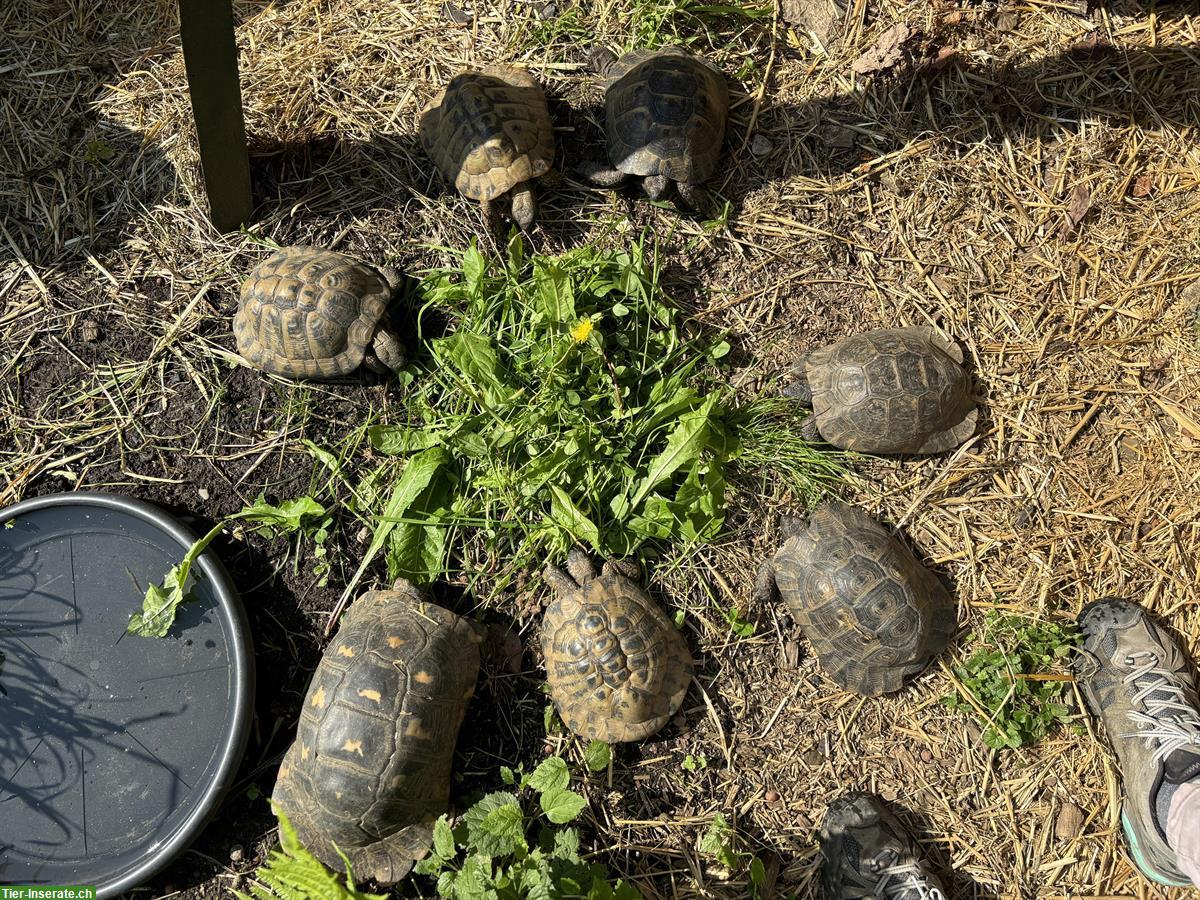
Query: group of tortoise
(369, 771)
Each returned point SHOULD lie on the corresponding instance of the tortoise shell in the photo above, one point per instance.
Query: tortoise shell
(617, 668)
(893, 390)
(665, 113)
(488, 131)
(369, 770)
(872, 612)
(307, 312)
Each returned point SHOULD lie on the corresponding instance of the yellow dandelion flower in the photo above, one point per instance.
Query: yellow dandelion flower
(582, 330)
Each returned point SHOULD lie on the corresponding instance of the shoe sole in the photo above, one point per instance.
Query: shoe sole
(1140, 860)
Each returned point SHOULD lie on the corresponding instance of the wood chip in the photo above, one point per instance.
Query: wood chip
(886, 53)
(1069, 822)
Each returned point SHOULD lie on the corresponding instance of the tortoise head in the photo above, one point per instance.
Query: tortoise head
(601, 59)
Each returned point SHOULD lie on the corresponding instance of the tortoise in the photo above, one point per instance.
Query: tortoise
(369, 770)
(618, 670)
(489, 132)
(665, 113)
(872, 612)
(892, 390)
(307, 312)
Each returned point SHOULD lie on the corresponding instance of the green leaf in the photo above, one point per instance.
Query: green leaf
(687, 439)
(551, 773)
(475, 358)
(566, 845)
(758, 874)
(495, 826)
(287, 517)
(397, 440)
(597, 756)
(507, 776)
(473, 266)
(443, 838)
(561, 805)
(293, 873)
(162, 602)
(418, 473)
(567, 516)
(555, 293)
(739, 626)
(718, 843)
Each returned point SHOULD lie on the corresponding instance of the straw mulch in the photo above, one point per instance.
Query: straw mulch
(1022, 175)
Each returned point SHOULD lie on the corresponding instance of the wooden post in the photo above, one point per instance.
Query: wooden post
(210, 57)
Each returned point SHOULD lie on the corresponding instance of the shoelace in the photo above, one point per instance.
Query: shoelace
(906, 882)
(1171, 720)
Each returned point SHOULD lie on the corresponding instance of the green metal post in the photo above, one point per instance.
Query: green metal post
(210, 57)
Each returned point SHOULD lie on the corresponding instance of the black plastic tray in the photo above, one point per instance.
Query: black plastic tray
(114, 749)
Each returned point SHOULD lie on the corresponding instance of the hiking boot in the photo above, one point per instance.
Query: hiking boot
(866, 852)
(1135, 679)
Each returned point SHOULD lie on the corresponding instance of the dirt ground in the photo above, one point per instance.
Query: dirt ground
(1024, 175)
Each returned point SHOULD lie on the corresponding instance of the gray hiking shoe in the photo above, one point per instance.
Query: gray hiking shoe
(866, 852)
(1136, 680)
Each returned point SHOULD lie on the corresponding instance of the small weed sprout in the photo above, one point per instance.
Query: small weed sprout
(1015, 680)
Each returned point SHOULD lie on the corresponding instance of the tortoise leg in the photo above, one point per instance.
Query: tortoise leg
(387, 353)
(487, 209)
(560, 582)
(691, 196)
(798, 388)
(627, 568)
(408, 589)
(810, 431)
(524, 206)
(790, 526)
(601, 59)
(656, 186)
(390, 859)
(580, 566)
(600, 174)
(765, 590)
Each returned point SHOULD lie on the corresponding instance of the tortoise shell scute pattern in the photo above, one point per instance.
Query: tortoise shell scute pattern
(665, 114)
(371, 759)
(618, 670)
(872, 612)
(898, 390)
(307, 312)
(489, 131)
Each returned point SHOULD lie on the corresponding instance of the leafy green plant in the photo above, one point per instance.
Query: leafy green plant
(720, 843)
(292, 873)
(739, 625)
(598, 755)
(162, 601)
(567, 405)
(694, 763)
(1015, 681)
(502, 849)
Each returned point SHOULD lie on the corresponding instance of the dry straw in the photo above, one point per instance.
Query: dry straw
(1036, 198)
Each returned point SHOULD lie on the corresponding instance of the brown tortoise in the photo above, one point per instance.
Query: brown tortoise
(872, 612)
(307, 312)
(665, 113)
(489, 132)
(617, 668)
(369, 770)
(892, 390)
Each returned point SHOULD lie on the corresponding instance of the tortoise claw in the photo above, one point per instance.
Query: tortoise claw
(408, 589)
(580, 566)
(560, 582)
(765, 590)
(626, 568)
